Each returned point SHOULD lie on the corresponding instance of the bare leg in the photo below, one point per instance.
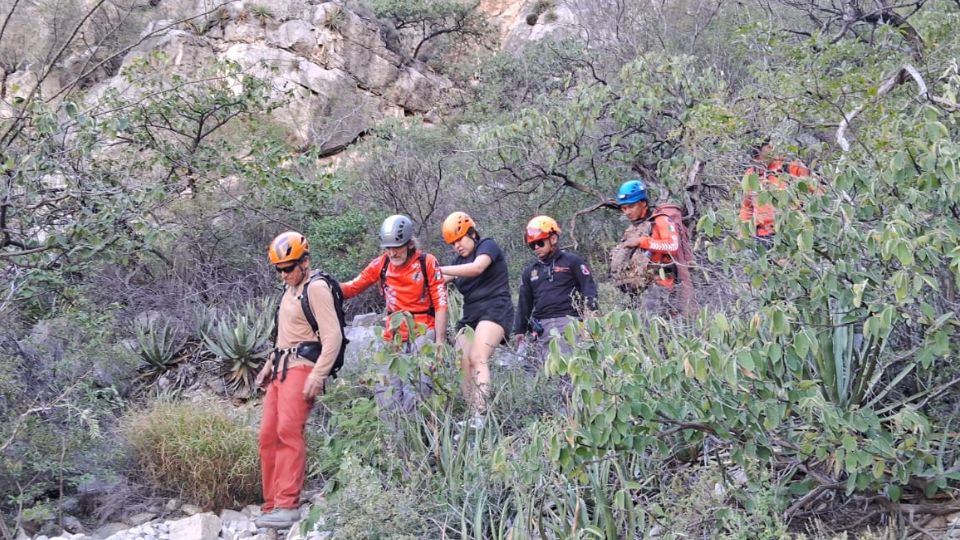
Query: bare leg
(487, 336)
(463, 345)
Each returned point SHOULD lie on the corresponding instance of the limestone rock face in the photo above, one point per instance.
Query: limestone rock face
(510, 17)
(331, 68)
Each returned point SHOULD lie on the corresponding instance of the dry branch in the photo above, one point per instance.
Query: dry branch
(573, 221)
(894, 80)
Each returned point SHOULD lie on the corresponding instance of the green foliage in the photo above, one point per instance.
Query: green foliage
(823, 363)
(87, 184)
(595, 136)
(648, 387)
(261, 12)
(209, 457)
(440, 27)
(240, 339)
(159, 344)
(352, 429)
(368, 508)
(506, 82)
(59, 397)
(341, 244)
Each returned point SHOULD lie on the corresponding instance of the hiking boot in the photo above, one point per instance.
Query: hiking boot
(477, 422)
(278, 518)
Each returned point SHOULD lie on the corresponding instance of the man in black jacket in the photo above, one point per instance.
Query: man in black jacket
(554, 290)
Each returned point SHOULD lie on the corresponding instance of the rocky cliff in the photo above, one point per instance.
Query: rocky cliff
(331, 65)
(335, 72)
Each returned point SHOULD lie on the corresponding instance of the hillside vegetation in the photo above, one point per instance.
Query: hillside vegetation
(816, 391)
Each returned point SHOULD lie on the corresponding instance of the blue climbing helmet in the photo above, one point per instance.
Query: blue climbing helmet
(631, 192)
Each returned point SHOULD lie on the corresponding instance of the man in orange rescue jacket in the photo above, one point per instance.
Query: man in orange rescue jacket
(660, 233)
(772, 173)
(410, 281)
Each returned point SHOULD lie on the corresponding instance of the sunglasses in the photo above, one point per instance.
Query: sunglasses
(537, 244)
(285, 269)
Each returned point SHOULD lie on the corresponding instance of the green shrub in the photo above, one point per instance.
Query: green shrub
(240, 340)
(352, 429)
(368, 508)
(211, 458)
(262, 13)
(159, 344)
(342, 244)
(59, 400)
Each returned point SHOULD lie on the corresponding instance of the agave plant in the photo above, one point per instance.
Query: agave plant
(240, 340)
(158, 344)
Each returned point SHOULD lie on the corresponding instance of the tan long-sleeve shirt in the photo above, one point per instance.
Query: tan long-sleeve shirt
(294, 328)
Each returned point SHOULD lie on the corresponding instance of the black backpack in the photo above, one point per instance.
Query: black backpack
(311, 349)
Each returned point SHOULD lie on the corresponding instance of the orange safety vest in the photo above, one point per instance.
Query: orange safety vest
(771, 177)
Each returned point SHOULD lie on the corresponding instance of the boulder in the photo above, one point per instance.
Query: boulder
(367, 319)
(362, 339)
(140, 518)
(188, 52)
(253, 510)
(244, 30)
(72, 525)
(191, 509)
(20, 84)
(68, 536)
(358, 48)
(415, 90)
(236, 525)
(108, 530)
(232, 516)
(204, 526)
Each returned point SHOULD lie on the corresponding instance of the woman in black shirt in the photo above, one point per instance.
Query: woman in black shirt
(479, 272)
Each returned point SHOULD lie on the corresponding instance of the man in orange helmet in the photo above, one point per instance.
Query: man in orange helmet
(554, 289)
(773, 173)
(410, 281)
(293, 377)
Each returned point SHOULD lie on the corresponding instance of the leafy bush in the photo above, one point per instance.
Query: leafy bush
(645, 387)
(63, 387)
(342, 244)
(368, 508)
(211, 458)
(352, 429)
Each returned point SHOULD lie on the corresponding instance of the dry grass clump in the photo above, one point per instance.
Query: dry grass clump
(212, 458)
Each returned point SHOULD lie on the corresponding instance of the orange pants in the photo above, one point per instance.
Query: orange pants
(283, 449)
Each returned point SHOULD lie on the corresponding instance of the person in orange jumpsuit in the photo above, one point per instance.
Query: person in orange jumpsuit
(773, 173)
(660, 232)
(292, 380)
(410, 281)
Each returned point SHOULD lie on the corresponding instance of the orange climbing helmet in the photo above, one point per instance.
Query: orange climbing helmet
(287, 247)
(540, 228)
(456, 226)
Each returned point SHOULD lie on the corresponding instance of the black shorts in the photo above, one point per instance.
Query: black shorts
(500, 312)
